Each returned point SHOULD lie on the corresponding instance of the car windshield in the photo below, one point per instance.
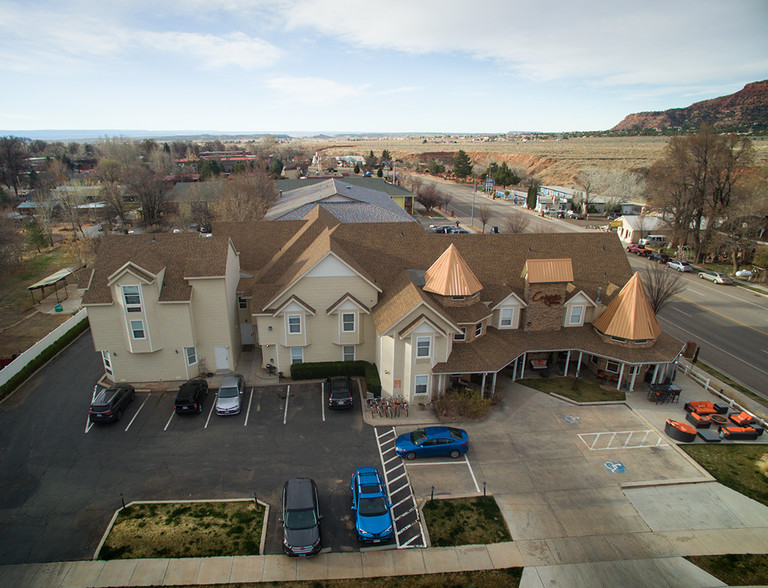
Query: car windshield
(300, 519)
(372, 507)
(418, 436)
(228, 392)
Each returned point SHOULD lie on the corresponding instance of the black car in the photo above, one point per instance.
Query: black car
(108, 405)
(340, 393)
(191, 396)
(659, 257)
(301, 518)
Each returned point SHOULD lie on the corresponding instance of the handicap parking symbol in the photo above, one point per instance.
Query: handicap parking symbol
(615, 467)
(572, 420)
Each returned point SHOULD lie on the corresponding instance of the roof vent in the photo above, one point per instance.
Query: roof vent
(599, 289)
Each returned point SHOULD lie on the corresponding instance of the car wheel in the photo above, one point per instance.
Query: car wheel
(455, 453)
(410, 455)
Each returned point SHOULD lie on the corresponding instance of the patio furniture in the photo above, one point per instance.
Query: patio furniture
(742, 419)
(709, 436)
(679, 431)
(661, 393)
(741, 433)
(719, 420)
(705, 407)
(697, 420)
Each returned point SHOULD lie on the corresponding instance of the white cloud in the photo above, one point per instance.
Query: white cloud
(309, 90)
(215, 51)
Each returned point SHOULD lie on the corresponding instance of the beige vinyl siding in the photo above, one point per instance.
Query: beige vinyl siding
(213, 317)
(233, 320)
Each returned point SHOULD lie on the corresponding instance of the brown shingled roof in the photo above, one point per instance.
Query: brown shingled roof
(629, 315)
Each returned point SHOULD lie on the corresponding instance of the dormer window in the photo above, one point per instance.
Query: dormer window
(461, 336)
(478, 329)
(577, 315)
(132, 298)
(294, 324)
(458, 297)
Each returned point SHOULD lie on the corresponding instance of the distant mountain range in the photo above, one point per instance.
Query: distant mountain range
(746, 110)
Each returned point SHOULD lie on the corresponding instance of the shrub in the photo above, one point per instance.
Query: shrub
(327, 369)
(462, 404)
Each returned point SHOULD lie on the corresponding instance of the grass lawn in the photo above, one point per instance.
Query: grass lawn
(734, 466)
(735, 569)
(13, 287)
(586, 392)
(199, 529)
(465, 521)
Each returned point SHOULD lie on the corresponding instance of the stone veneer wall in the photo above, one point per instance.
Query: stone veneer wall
(545, 311)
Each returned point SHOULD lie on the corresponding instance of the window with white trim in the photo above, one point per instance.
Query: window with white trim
(577, 315)
(132, 298)
(461, 336)
(242, 303)
(191, 355)
(137, 329)
(107, 363)
(348, 322)
(506, 316)
(612, 367)
(423, 345)
(348, 353)
(421, 384)
(297, 355)
(294, 324)
(478, 329)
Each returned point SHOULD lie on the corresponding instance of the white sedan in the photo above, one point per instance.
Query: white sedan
(716, 277)
(681, 266)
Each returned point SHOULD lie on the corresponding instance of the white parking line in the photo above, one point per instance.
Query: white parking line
(210, 412)
(248, 412)
(287, 397)
(138, 411)
(165, 428)
(322, 399)
(88, 424)
(403, 500)
(393, 480)
(471, 473)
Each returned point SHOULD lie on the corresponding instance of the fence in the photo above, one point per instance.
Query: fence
(704, 381)
(27, 356)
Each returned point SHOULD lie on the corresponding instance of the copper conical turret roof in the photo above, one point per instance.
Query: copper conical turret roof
(629, 316)
(451, 276)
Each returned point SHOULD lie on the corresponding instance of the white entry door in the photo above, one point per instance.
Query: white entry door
(246, 334)
(222, 357)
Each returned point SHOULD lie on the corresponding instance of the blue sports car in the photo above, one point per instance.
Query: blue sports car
(432, 441)
(373, 519)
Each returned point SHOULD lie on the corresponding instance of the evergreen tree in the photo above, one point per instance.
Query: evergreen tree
(462, 164)
(380, 173)
(385, 156)
(357, 168)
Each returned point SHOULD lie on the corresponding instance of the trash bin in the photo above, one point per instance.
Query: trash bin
(58, 308)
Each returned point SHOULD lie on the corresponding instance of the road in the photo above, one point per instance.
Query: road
(730, 325)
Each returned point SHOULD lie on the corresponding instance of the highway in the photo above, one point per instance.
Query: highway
(729, 323)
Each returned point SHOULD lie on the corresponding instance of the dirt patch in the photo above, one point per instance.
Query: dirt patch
(194, 529)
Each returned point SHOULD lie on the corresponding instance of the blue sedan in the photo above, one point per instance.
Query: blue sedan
(373, 519)
(433, 441)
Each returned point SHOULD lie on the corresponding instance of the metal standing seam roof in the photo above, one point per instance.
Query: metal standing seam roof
(53, 278)
(629, 315)
(451, 276)
(548, 270)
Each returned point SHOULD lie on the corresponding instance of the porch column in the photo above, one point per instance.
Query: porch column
(621, 375)
(514, 371)
(634, 375)
(655, 373)
(567, 362)
(578, 367)
(493, 384)
(522, 369)
(482, 388)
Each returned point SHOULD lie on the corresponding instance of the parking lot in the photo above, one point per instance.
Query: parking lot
(61, 479)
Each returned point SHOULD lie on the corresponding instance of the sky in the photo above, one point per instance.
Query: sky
(342, 66)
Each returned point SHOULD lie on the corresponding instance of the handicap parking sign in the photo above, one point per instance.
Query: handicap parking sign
(571, 419)
(615, 467)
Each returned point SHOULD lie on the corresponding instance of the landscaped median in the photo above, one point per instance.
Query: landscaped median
(186, 529)
(574, 389)
(465, 521)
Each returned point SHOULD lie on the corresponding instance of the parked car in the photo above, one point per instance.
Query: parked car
(229, 398)
(681, 266)
(191, 396)
(715, 277)
(301, 518)
(108, 405)
(340, 393)
(659, 257)
(442, 228)
(432, 441)
(653, 240)
(637, 250)
(373, 519)
(575, 215)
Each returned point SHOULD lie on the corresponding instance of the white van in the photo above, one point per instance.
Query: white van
(653, 241)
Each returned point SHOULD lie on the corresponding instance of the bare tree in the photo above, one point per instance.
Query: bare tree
(246, 197)
(447, 199)
(429, 196)
(586, 179)
(11, 243)
(484, 214)
(120, 149)
(44, 212)
(12, 156)
(516, 222)
(149, 189)
(661, 283)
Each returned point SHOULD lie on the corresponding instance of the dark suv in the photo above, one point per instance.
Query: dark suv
(191, 396)
(109, 404)
(339, 392)
(301, 518)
